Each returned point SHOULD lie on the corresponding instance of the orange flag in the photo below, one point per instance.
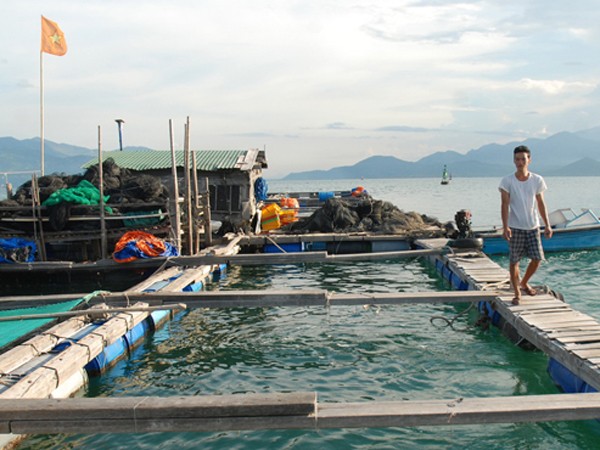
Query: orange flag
(53, 39)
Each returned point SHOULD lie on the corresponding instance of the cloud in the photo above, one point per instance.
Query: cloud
(337, 126)
(403, 129)
(555, 87)
(306, 78)
(255, 134)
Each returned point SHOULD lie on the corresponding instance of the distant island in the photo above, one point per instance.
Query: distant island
(562, 154)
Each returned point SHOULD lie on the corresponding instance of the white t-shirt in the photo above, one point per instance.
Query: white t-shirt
(523, 212)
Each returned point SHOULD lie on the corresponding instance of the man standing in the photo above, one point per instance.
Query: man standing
(521, 192)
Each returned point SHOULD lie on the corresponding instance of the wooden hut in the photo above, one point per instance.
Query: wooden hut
(230, 175)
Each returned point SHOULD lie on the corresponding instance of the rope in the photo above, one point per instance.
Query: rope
(269, 238)
(87, 298)
(450, 322)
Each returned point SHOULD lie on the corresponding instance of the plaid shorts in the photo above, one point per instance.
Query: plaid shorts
(525, 243)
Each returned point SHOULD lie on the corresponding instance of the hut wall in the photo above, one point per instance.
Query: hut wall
(231, 193)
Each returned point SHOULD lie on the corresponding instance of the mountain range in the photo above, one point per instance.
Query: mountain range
(24, 156)
(562, 154)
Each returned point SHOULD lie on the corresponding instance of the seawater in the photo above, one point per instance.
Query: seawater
(359, 353)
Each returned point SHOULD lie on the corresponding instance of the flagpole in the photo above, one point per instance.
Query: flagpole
(42, 113)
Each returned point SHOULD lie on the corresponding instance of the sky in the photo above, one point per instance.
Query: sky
(317, 83)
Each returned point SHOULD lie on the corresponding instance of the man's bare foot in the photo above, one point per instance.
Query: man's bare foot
(516, 300)
(528, 290)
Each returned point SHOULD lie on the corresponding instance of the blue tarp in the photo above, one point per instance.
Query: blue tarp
(14, 250)
(131, 250)
(139, 244)
(261, 189)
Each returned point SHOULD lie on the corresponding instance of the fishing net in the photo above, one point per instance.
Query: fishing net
(13, 330)
(377, 216)
(76, 195)
(121, 185)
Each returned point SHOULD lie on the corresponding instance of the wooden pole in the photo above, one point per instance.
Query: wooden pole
(37, 215)
(196, 205)
(103, 237)
(286, 298)
(207, 219)
(296, 410)
(41, 113)
(85, 312)
(175, 190)
(188, 188)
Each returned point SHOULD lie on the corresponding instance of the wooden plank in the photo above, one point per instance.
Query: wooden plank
(234, 405)
(552, 317)
(382, 255)
(280, 411)
(460, 411)
(228, 299)
(572, 331)
(159, 275)
(563, 317)
(586, 346)
(486, 278)
(189, 276)
(558, 325)
(569, 338)
(540, 309)
(584, 354)
(411, 297)
(19, 355)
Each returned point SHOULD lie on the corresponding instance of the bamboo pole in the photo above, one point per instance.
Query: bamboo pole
(103, 237)
(196, 205)
(37, 215)
(207, 218)
(85, 312)
(176, 212)
(188, 188)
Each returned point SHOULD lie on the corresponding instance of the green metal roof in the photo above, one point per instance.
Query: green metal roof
(206, 160)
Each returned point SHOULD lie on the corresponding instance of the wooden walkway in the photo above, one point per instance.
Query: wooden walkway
(570, 337)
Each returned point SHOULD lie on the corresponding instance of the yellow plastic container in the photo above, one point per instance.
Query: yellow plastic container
(270, 219)
(288, 216)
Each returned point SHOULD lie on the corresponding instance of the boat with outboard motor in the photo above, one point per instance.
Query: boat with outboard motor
(572, 231)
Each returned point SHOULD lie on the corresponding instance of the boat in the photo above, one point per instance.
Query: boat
(571, 231)
(445, 176)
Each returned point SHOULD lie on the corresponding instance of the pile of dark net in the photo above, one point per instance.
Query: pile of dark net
(129, 190)
(367, 214)
(123, 186)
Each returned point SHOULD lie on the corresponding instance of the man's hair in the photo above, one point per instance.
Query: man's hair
(522, 149)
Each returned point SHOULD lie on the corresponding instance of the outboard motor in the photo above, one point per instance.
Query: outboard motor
(463, 222)
(465, 237)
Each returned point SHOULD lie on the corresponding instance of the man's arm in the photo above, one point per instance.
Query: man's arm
(541, 204)
(506, 231)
